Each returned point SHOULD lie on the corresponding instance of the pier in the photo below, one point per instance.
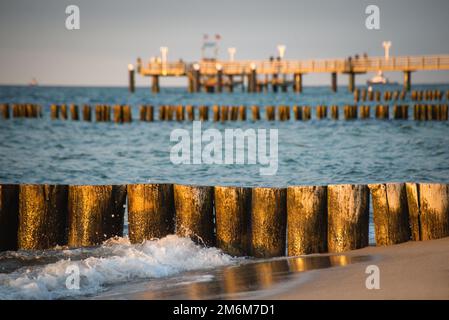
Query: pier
(278, 75)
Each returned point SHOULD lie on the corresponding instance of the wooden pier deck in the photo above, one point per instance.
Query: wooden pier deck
(214, 75)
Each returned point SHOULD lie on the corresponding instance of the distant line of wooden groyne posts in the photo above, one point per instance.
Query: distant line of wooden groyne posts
(258, 221)
(123, 114)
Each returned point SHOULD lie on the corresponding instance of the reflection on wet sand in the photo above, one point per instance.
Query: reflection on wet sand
(233, 282)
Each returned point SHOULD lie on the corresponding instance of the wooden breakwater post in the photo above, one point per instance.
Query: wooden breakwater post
(268, 222)
(87, 113)
(150, 113)
(143, 113)
(255, 113)
(297, 113)
(270, 113)
(74, 113)
(194, 213)
(400, 112)
(63, 112)
(190, 112)
(54, 111)
(364, 112)
(96, 213)
(42, 216)
(428, 205)
(180, 116)
(9, 216)
(151, 211)
(232, 218)
(216, 113)
(127, 114)
(348, 215)
(382, 112)
(334, 112)
(242, 113)
(162, 111)
(306, 220)
(321, 112)
(350, 112)
(390, 213)
(234, 113)
(224, 113)
(284, 113)
(306, 113)
(204, 113)
(4, 109)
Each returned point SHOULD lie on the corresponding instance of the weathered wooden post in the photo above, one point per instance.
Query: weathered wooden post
(356, 95)
(348, 213)
(297, 112)
(190, 112)
(98, 113)
(390, 213)
(180, 113)
(334, 81)
(63, 109)
(131, 78)
(143, 113)
(87, 113)
(126, 111)
(321, 112)
(407, 80)
(242, 113)
(429, 210)
(351, 83)
(74, 113)
(224, 113)
(5, 111)
(194, 213)
(204, 113)
(270, 113)
(216, 112)
(306, 112)
(155, 88)
(118, 113)
(234, 113)
(268, 222)
(334, 112)
(150, 113)
(42, 216)
(232, 216)
(365, 112)
(255, 112)
(54, 111)
(9, 216)
(151, 211)
(96, 213)
(306, 220)
(297, 82)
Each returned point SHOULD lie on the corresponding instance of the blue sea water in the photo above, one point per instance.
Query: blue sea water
(313, 152)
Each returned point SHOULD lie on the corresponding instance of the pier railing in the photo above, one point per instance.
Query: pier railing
(359, 65)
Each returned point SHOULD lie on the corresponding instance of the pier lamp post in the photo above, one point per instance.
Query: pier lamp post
(387, 45)
(131, 78)
(164, 52)
(231, 52)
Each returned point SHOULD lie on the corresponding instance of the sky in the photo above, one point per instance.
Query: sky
(34, 41)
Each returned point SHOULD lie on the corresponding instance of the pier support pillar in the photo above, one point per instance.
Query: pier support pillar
(298, 82)
(131, 77)
(252, 81)
(334, 81)
(155, 84)
(407, 80)
(231, 83)
(196, 81)
(351, 84)
(219, 80)
(274, 82)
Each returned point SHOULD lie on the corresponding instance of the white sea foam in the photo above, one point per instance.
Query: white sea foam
(116, 261)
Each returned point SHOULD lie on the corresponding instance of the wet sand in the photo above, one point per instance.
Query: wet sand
(412, 270)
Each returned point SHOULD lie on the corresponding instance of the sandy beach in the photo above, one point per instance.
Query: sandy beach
(411, 270)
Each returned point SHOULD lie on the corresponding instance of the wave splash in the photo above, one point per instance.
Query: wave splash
(116, 261)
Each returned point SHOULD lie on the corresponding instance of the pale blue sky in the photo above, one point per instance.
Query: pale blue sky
(35, 43)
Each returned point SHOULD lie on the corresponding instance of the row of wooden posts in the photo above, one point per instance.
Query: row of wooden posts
(259, 221)
(416, 95)
(123, 114)
(21, 110)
